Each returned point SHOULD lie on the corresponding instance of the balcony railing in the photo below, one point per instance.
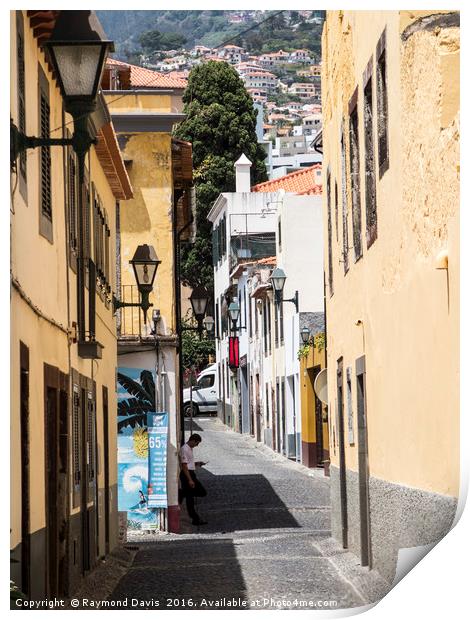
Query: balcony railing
(251, 247)
(130, 323)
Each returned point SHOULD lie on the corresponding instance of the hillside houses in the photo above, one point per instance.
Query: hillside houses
(285, 87)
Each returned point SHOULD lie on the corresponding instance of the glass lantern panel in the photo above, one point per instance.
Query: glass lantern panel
(78, 66)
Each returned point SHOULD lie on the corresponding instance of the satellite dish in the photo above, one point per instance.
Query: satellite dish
(320, 386)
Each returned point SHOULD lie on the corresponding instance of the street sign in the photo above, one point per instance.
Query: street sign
(157, 424)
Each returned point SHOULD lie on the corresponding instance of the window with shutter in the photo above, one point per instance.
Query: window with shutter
(91, 439)
(45, 190)
(215, 246)
(86, 220)
(281, 323)
(46, 202)
(354, 170)
(76, 473)
(382, 104)
(344, 204)
(107, 257)
(21, 96)
(330, 233)
(369, 162)
(72, 201)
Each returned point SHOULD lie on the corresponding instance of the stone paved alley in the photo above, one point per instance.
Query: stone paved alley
(267, 542)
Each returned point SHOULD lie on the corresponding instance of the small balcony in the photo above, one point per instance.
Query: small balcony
(250, 247)
(129, 322)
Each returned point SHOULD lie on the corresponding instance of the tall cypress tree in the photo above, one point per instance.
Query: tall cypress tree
(220, 123)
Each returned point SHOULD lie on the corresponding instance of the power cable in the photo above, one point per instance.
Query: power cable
(134, 90)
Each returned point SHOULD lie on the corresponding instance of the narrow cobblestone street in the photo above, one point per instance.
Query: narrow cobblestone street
(266, 545)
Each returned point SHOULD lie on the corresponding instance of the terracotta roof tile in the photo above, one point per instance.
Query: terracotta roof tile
(270, 260)
(302, 182)
(147, 78)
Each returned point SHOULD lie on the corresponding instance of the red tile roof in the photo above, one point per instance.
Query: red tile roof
(302, 182)
(147, 78)
(270, 260)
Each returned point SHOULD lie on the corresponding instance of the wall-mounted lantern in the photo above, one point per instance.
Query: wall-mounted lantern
(278, 279)
(305, 335)
(234, 312)
(199, 299)
(77, 50)
(145, 264)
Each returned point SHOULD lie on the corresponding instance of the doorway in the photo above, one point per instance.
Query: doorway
(106, 467)
(318, 414)
(56, 477)
(25, 472)
(363, 462)
(342, 455)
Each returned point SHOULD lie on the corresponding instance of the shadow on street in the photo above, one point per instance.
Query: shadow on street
(241, 502)
(184, 570)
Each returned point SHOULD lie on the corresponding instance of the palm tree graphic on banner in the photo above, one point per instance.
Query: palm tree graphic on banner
(133, 411)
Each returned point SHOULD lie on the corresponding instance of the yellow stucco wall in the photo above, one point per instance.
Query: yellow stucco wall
(40, 267)
(130, 103)
(409, 309)
(148, 217)
(307, 395)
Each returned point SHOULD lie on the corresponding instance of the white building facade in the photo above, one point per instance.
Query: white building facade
(254, 232)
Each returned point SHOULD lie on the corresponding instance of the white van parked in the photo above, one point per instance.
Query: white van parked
(204, 393)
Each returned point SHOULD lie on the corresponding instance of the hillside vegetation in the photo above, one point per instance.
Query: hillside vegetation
(270, 31)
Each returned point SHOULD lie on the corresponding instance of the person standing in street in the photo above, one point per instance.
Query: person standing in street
(190, 485)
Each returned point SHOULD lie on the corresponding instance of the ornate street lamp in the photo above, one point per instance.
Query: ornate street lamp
(208, 323)
(305, 335)
(77, 50)
(199, 299)
(145, 264)
(234, 312)
(278, 279)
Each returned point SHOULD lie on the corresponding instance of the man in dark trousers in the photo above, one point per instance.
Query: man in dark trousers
(190, 485)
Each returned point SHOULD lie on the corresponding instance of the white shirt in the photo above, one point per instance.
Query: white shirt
(187, 456)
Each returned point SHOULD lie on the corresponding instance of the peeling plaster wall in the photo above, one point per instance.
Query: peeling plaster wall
(409, 309)
(147, 218)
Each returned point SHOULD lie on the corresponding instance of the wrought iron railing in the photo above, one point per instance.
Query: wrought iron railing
(130, 323)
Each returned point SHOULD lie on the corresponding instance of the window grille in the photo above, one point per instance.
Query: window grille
(91, 438)
(76, 436)
(330, 232)
(369, 160)
(21, 89)
(382, 105)
(72, 200)
(354, 171)
(344, 205)
(45, 158)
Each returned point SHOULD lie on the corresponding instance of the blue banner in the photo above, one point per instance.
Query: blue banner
(157, 424)
(135, 392)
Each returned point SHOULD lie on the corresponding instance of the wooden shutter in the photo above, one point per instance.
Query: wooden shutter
(45, 152)
(21, 88)
(76, 470)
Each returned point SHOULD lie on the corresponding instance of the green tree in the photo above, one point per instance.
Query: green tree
(196, 351)
(172, 41)
(220, 123)
(155, 40)
(150, 40)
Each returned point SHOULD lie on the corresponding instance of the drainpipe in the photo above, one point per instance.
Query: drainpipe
(177, 258)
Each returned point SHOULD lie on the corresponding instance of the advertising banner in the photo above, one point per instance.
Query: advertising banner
(136, 399)
(158, 441)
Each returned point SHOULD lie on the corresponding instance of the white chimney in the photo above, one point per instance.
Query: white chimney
(242, 174)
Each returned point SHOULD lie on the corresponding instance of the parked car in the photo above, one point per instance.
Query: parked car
(204, 393)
